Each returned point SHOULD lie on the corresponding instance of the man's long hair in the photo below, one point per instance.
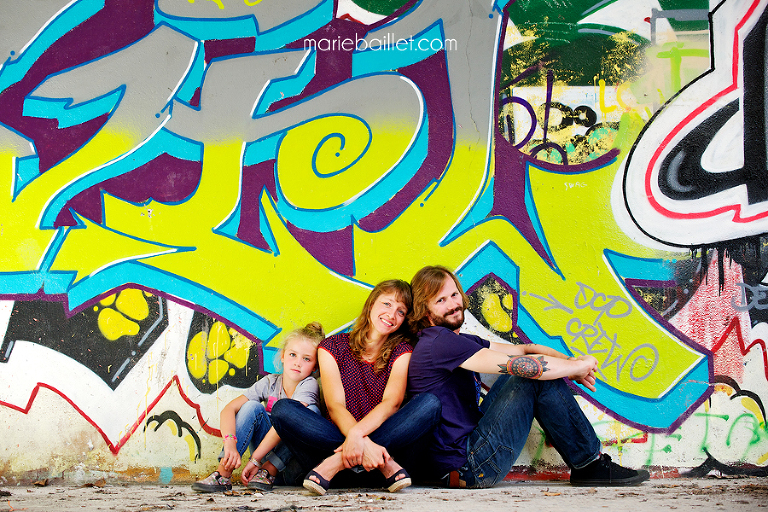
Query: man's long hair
(362, 328)
(425, 285)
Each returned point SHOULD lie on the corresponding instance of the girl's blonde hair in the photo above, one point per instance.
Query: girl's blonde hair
(312, 332)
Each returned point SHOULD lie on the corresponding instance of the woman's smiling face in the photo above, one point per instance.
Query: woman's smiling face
(387, 314)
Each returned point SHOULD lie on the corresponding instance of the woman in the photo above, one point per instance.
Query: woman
(364, 376)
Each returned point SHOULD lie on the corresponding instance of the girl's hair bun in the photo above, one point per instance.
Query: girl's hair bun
(314, 330)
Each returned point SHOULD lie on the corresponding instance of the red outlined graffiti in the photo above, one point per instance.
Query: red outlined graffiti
(663, 182)
(115, 447)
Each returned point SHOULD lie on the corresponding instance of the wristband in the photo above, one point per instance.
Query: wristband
(230, 436)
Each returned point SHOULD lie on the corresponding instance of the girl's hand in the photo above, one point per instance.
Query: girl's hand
(231, 460)
(248, 472)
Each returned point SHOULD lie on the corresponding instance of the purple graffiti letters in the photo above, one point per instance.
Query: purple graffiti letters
(644, 356)
(612, 306)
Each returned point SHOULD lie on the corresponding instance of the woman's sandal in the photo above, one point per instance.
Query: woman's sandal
(394, 485)
(318, 488)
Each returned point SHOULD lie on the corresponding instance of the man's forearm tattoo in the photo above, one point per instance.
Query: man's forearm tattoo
(525, 366)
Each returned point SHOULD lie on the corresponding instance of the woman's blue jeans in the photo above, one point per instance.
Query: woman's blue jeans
(252, 422)
(312, 438)
(508, 412)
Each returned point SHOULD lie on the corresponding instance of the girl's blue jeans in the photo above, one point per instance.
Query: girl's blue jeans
(252, 422)
(508, 412)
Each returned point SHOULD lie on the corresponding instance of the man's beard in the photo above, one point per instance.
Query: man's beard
(443, 321)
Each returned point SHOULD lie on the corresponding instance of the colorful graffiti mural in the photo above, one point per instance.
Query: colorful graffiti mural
(188, 179)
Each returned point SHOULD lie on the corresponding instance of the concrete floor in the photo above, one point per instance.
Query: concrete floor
(700, 494)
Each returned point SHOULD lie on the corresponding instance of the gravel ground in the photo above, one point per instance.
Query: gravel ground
(740, 494)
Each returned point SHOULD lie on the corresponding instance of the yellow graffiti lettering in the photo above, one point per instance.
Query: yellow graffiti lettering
(750, 405)
(619, 93)
(237, 356)
(217, 369)
(317, 152)
(24, 243)
(193, 455)
(402, 249)
(113, 325)
(567, 232)
(172, 426)
(113, 247)
(108, 300)
(495, 315)
(218, 341)
(603, 107)
(190, 225)
(196, 362)
(132, 303)
(568, 226)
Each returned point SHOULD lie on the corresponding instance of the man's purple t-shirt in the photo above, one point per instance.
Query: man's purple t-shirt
(435, 368)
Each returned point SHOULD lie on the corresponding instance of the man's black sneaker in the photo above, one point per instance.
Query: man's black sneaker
(604, 472)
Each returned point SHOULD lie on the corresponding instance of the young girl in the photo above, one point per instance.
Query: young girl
(246, 422)
(364, 381)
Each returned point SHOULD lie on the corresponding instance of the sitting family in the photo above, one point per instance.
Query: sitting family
(402, 403)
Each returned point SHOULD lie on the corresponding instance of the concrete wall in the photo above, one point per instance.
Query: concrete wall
(185, 180)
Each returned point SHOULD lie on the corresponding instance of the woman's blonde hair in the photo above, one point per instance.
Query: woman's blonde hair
(362, 328)
(312, 332)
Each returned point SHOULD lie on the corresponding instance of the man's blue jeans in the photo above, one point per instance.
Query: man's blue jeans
(508, 412)
(252, 422)
(312, 438)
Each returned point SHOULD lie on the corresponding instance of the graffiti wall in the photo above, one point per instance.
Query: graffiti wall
(187, 180)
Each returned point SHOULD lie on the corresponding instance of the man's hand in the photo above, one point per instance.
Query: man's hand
(584, 368)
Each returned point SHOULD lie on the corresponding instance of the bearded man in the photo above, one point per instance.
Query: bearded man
(475, 445)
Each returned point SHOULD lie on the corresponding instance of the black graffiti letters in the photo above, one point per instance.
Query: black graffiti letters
(682, 175)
